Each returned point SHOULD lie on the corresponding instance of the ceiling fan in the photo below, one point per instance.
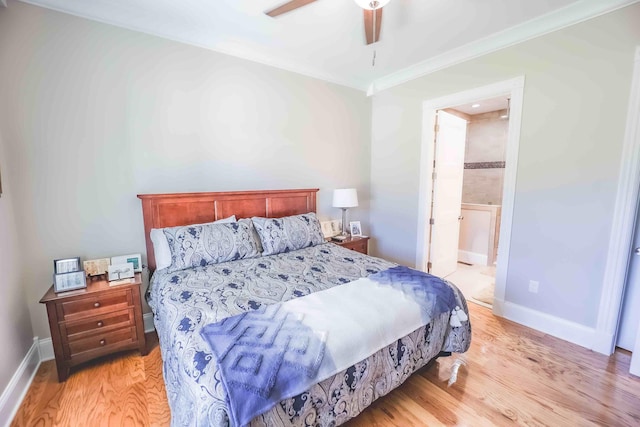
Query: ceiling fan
(372, 14)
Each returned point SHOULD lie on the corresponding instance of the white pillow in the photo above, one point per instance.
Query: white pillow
(231, 218)
(161, 245)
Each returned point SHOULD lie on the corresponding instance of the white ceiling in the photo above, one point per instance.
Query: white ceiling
(325, 39)
(484, 106)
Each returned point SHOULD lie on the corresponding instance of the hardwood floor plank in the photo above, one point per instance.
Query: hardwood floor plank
(553, 379)
(396, 409)
(157, 405)
(512, 376)
(436, 400)
(40, 391)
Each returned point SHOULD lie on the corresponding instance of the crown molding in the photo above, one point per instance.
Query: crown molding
(562, 18)
(575, 13)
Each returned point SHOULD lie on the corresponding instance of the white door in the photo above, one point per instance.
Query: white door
(447, 194)
(630, 317)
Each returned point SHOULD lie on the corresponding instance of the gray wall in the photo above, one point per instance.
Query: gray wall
(16, 334)
(575, 103)
(95, 115)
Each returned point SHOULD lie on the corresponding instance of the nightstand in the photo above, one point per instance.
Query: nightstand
(355, 243)
(94, 322)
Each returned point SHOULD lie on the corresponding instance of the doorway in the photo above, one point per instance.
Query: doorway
(469, 153)
(512, 89)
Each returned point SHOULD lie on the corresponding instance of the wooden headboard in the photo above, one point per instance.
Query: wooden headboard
(170, 210)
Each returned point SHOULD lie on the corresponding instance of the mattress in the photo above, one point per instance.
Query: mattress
(185, 301)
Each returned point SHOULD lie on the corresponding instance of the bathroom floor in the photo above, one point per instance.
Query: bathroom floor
(477, 283)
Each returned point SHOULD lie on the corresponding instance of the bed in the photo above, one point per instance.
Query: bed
(186, 302)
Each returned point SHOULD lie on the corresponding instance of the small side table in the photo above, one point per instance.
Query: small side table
(355, 243)
(94, 322)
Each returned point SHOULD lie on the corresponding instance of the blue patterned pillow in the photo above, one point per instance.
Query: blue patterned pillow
(202, 244)
(290, 233)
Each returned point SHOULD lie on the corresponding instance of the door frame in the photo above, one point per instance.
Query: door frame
(621, 238)
(515, 89)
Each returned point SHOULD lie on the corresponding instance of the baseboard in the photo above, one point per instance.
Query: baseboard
(604, 343)
(543, 322)
(46, 349)
(474, 258)
(19, 385)
(149, 326)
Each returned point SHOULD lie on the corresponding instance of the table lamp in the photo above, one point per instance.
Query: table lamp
(345, 198)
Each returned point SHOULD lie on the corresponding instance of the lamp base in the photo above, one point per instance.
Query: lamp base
(344, 222)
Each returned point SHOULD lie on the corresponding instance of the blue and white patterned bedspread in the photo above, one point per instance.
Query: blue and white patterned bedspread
(185, 301)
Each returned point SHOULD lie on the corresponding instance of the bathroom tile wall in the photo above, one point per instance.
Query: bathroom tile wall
(486, 143)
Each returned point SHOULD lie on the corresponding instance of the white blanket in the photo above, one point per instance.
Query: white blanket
(278, 351)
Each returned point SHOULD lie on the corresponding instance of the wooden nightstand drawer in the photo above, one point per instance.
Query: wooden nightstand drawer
(102, 341)
(96, 304)
(356, 243)
(359, 246)
(79, 329)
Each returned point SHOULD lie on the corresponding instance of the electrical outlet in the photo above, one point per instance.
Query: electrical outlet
(533, 286)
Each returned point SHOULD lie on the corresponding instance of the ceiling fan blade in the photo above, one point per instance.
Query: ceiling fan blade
(368, 24)
(288, 7)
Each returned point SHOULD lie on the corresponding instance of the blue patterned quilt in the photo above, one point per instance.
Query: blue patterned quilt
(185, 301)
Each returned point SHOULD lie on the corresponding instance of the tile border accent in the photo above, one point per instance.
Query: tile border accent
(485, 165)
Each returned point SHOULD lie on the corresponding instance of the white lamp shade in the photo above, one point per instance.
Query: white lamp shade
(370, 4)
(345, 198)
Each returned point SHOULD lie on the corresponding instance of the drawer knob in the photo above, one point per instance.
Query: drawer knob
(103, 342)
(96, 304)
(100, 324)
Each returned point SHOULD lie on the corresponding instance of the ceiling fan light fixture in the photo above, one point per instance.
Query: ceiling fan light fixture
(371, 4)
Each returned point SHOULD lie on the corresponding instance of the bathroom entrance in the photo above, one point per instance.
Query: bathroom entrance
(468, 181)
(481, 207)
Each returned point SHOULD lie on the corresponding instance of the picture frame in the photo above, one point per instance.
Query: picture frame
(96, 267)
(63, 282)
(66, 265)
(355, 228)
(121, 271)
(336, 227)
(135, 259)
(326, 229)
(331, 228)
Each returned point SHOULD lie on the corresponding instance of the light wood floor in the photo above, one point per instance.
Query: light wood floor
(512, 376)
